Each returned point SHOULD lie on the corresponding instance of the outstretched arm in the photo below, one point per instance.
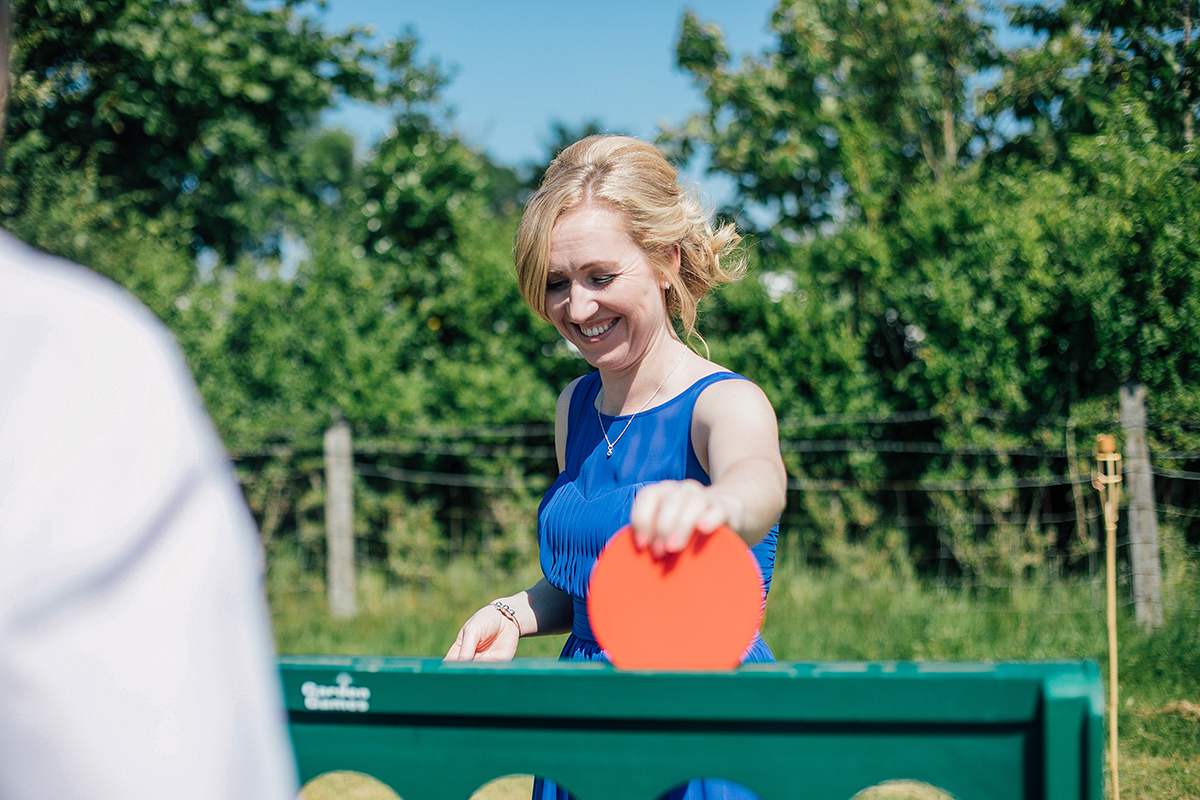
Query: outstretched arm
(736, 439)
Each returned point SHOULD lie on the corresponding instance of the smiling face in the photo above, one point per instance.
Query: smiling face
(603, 293)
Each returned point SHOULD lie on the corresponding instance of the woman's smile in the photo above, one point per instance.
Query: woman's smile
(599, 329)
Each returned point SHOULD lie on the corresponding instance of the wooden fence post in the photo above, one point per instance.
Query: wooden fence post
(1145, 561)
(339, 518)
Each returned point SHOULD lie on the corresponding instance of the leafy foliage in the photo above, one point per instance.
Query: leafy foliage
(954, 271)
(191, 108)
(855, 102)
(921, 255)
(1092, 52)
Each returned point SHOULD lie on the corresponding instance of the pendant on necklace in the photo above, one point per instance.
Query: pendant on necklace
(613, 442)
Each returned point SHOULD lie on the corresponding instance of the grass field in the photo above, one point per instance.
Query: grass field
(814, 615)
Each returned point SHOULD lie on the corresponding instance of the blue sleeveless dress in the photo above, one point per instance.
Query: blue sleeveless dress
(592, 499)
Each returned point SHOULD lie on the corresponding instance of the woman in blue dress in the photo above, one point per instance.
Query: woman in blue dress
(613, 253)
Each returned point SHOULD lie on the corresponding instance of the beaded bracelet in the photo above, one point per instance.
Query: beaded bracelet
(509, 613)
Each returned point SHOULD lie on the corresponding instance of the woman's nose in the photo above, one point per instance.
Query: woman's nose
(581, 303)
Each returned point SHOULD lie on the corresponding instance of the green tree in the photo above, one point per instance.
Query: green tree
(990, 294)
(853, 103)
(379, 284)
(191, 108)
(1043, 288)
(1089, 52)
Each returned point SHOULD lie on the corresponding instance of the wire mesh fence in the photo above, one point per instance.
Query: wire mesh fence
(1012, 514)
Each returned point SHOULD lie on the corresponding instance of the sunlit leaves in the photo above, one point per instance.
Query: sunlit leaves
(1094, 48)
(855, 102)
(191, 107)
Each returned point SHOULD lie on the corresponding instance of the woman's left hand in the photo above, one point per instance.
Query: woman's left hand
(666, 514)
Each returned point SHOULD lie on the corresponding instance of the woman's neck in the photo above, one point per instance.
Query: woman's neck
(649, 381)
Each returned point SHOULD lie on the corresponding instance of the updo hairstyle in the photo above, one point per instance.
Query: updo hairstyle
(633, 177)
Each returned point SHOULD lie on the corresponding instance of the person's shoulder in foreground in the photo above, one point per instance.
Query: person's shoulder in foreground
(135, 650)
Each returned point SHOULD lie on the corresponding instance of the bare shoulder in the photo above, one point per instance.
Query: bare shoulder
(562, 413)
(733, 419)
(734, 400)
(563, 407)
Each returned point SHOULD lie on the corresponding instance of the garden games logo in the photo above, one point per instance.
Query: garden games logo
(343, 697)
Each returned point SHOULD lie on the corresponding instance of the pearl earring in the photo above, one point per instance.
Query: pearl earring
(666, 285)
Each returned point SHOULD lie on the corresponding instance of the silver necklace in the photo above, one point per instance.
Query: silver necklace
(613, 443)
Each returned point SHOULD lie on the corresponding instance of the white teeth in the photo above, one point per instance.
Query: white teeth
(599, 330)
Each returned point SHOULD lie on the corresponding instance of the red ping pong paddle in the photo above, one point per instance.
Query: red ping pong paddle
(694, 610)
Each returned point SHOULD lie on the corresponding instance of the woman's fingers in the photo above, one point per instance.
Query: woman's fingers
(666, 520)
(471, 644)
(486, 636)
(666, 514)
(652, 516)
(465, 644)
(467, 641)
(712, 517)
(496, 651)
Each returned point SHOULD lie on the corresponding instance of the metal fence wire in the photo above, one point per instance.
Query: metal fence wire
(997, 516)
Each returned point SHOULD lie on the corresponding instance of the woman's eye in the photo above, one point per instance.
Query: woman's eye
(554, 286)
(602, 280)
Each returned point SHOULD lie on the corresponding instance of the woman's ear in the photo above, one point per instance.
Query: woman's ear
(674, 259)
(668, 271)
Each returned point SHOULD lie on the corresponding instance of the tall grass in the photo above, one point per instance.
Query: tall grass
(819, 615)
(414, 618)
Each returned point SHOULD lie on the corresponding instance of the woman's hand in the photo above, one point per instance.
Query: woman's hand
(666, 514)
(488, 635)
(492, 634)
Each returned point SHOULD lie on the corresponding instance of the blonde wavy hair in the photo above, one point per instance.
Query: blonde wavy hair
(633, 177)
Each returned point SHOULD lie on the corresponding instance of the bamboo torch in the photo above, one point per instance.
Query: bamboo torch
(1106, 479)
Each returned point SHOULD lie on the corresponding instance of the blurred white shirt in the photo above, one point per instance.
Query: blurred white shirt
(135, 651)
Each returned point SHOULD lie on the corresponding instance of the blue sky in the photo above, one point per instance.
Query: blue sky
(518, 66)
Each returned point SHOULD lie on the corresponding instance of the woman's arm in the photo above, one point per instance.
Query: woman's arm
(736, 439)
(491, 634)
